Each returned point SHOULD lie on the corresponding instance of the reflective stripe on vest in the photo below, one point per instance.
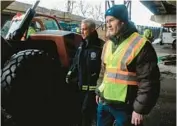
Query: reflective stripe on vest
(117, 77)
(91, 88)
(128, 52)
(121, 77)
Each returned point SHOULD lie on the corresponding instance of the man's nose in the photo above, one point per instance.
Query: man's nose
(109, 25)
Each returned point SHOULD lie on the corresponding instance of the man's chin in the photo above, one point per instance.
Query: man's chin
(109, 34)
(83, 37)
(112, 35)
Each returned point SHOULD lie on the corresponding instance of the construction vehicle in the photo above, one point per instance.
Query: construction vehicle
(33, 69)
(41, 21)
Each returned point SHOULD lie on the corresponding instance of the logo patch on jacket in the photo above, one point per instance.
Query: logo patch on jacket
(93, 55)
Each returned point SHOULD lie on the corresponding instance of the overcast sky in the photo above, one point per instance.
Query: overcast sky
(140, 14)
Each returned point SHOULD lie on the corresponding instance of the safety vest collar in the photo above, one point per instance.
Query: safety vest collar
(125, 43)
(126, 51)
(121, 49)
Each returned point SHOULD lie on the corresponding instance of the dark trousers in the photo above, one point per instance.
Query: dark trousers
(107, 115)
(88, 111)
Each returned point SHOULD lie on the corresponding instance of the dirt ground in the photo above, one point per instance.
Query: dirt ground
(164, 113)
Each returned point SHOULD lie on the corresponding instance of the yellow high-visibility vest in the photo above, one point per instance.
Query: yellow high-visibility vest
(31, 31)
(117, 77)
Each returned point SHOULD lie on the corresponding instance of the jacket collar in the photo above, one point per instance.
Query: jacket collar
(92, 40)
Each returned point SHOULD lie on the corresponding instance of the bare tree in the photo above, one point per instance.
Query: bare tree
(96, 12)
(83, 7)
(69, 5)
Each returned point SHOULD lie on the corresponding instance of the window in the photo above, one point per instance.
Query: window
(50, 25)
(5, 28)
(38, 27)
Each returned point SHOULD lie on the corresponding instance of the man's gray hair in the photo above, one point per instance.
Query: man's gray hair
(89, 22)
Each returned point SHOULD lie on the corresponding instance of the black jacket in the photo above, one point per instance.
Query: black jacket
(87, 62)
(143, 97)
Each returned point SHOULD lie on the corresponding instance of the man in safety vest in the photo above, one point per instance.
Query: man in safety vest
(31, 29)
(78, 30)
(128, 85)
(86, 67)
(148, 34)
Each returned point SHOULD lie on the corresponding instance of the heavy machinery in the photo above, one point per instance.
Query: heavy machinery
(33, 69)
(40, 22)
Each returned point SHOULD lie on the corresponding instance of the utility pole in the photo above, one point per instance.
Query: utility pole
(68, 6)
(107, 4)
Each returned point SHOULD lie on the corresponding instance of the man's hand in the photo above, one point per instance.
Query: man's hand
(136, 118)
(97, 99)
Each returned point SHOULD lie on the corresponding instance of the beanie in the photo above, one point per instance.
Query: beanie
(118, 11)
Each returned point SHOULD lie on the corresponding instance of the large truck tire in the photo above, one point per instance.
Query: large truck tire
(11, 68)
(32, 88)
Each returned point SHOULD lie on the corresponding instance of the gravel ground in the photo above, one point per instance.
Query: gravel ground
(164, 113)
